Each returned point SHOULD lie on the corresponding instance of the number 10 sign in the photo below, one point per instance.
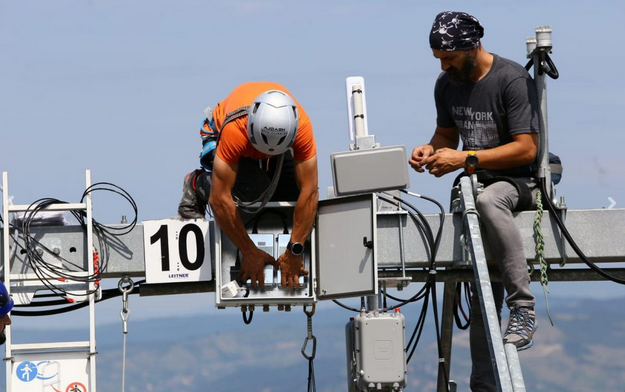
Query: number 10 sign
(176, 251)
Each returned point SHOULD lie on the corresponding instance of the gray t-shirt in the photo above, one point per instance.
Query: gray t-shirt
(487, 113)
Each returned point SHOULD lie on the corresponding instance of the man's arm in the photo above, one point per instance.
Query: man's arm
(227, 217)
(521, 151)
(292, 266)
(443, 138)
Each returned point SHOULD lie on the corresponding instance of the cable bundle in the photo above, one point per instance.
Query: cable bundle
(51, 274)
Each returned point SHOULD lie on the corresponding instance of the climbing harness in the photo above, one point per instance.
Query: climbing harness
(125, 315)
(312, 387)
(268, 193)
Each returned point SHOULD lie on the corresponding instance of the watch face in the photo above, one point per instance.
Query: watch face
(297, 248)
(471, 160)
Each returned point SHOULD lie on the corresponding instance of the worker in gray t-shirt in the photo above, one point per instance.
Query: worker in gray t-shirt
(490, 103)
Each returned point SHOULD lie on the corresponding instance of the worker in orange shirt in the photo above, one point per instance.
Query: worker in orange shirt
(258, 145)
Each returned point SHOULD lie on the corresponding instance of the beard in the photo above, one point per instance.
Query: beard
(3, 338)
(462, 76)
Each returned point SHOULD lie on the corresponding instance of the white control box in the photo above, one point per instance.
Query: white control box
(376, 356)
(271, 238)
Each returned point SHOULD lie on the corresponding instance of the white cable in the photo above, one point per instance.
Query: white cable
(124, 364)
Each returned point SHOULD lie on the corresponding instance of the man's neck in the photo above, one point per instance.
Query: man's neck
(484, 64)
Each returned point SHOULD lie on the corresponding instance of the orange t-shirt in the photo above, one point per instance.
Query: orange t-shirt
(234, 142)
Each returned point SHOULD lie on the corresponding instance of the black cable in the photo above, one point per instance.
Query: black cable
(345, 306)
(553, 71)
(441, 359)
(106, 294)
(247, 319)
(543, 57)
(432, 244)
(257, 217)
(570, 240)
(422, 223)
(439, 233)
(529, 65)
(458, 306)
(432, 283)
(384, 301)
(45, 271)
(401, 302)
(418, 296)
(49, 273)
(418, 328)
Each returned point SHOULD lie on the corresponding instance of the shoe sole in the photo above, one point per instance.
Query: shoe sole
(529, 344)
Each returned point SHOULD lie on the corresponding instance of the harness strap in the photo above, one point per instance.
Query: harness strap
(233, 115)
(268, 193)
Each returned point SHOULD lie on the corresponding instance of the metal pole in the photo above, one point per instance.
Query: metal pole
(542, 46)
(518, 385)
(484, 290)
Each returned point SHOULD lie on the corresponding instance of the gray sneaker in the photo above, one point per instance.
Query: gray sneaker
(521, 328)
(191, 207)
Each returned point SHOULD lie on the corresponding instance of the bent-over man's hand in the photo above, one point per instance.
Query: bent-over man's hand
(253, 263)
(292, 268)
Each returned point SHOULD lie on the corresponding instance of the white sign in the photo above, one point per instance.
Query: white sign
(49, 372)
(176, 251)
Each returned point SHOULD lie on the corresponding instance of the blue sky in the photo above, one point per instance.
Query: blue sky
(119, 88)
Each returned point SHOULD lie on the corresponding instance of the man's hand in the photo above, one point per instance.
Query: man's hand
(253, 263)
(419, 154)
(443, 161)
(292, 268)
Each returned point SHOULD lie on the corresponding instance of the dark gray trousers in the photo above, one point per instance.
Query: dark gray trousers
(495, 206)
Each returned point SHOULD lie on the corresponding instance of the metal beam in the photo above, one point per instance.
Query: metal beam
(594, 231)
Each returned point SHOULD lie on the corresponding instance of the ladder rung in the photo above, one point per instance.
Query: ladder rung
(51, 207)
(50, 347)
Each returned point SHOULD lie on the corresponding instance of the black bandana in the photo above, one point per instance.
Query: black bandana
(455, 31)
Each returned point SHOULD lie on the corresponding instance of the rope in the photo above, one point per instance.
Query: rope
(125, 314)
(312, 386)
(124, 363)
(540, 250)
(266, 195)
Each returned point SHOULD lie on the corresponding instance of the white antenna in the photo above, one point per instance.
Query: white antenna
(356, 108)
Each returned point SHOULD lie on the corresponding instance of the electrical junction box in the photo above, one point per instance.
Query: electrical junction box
(376, 356)
(346, 247)
(370, 170)
(270, 230)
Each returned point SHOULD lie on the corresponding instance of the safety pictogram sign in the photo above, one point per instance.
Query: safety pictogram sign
(50, 372)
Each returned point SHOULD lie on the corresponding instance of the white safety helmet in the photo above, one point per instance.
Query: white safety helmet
(272, 122)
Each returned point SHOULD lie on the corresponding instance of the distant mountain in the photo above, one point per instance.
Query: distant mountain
(583, 352)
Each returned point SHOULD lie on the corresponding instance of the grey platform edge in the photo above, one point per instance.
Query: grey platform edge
(595, 231)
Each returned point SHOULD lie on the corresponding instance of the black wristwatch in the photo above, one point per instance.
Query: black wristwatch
(295, 247)
(471, 162)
